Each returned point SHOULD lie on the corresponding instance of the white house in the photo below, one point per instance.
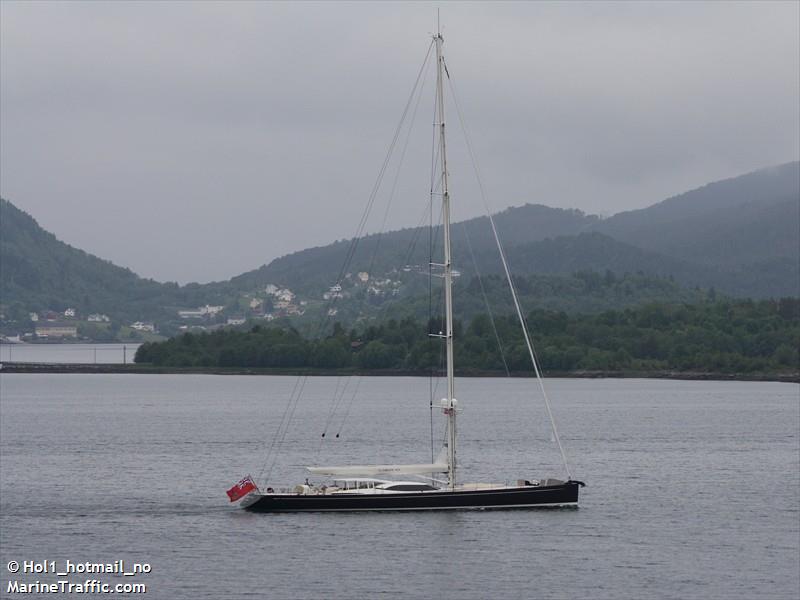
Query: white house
(34, 317)
(237, 320)
(70, 312)
(141, 326)
(55, 329)
(256, 303)
(98, 318)
(363, 276)
(200, 312)
(271, 289)
(335, 291)
(285, 294)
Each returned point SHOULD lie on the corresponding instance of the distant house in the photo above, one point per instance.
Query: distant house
(98, 318)
(332, 312)
(236, 320)
(56, 329)
(285, 294)
(141, 326)
(271, 289)
(363, 276)
(49, 315)
(34, 317)
(200, 312)
(335, 291)
(70, 313)
(282, 304)
(257, 307)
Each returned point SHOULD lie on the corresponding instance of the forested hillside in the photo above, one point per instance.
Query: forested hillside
(738, 237)
(316, 268)
(39, 272)
(748, 218)
(719, 337)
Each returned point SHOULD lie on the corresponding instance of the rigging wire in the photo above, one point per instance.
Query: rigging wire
(275, 438)
(349, 406)
(291, 406)
(379, 237)
(486, 300)
(384, 166)
(333, 405)
(512, 288)
(337, 402)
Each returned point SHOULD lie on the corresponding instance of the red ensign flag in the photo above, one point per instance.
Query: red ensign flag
(241, 489)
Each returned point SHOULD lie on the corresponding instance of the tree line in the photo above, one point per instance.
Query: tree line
(723, 337)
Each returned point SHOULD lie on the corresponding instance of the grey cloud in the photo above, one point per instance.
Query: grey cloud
(192, 141)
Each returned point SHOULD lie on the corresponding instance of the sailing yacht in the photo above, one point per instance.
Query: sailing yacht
(369, 487)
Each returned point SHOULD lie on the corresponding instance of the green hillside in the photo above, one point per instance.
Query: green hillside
(721, 337)
(740, 236)
(39, 272)
(735, 222)
(316, 268)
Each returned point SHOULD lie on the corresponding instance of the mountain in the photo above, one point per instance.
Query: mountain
(735, 222)
(316, 268)
(39, 272)
(740, 235)
(775, 277)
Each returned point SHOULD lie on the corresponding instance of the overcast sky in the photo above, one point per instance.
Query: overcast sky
(194, 141)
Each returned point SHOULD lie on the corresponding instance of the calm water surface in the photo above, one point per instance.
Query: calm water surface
(693, 487)
(69, 353)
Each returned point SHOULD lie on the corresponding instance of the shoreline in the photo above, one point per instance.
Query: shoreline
(144, 369)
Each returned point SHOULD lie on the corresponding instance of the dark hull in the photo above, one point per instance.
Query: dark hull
(565, 494)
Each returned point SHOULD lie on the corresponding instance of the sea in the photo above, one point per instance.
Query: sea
(69, 354)
(692, 487)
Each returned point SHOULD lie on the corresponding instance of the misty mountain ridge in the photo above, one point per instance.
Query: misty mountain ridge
(738, 220)
(740, 235)
(39, 272)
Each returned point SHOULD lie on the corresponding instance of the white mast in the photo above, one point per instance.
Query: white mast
(449, 404)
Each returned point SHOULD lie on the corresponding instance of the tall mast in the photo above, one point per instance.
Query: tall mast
(450, 405)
